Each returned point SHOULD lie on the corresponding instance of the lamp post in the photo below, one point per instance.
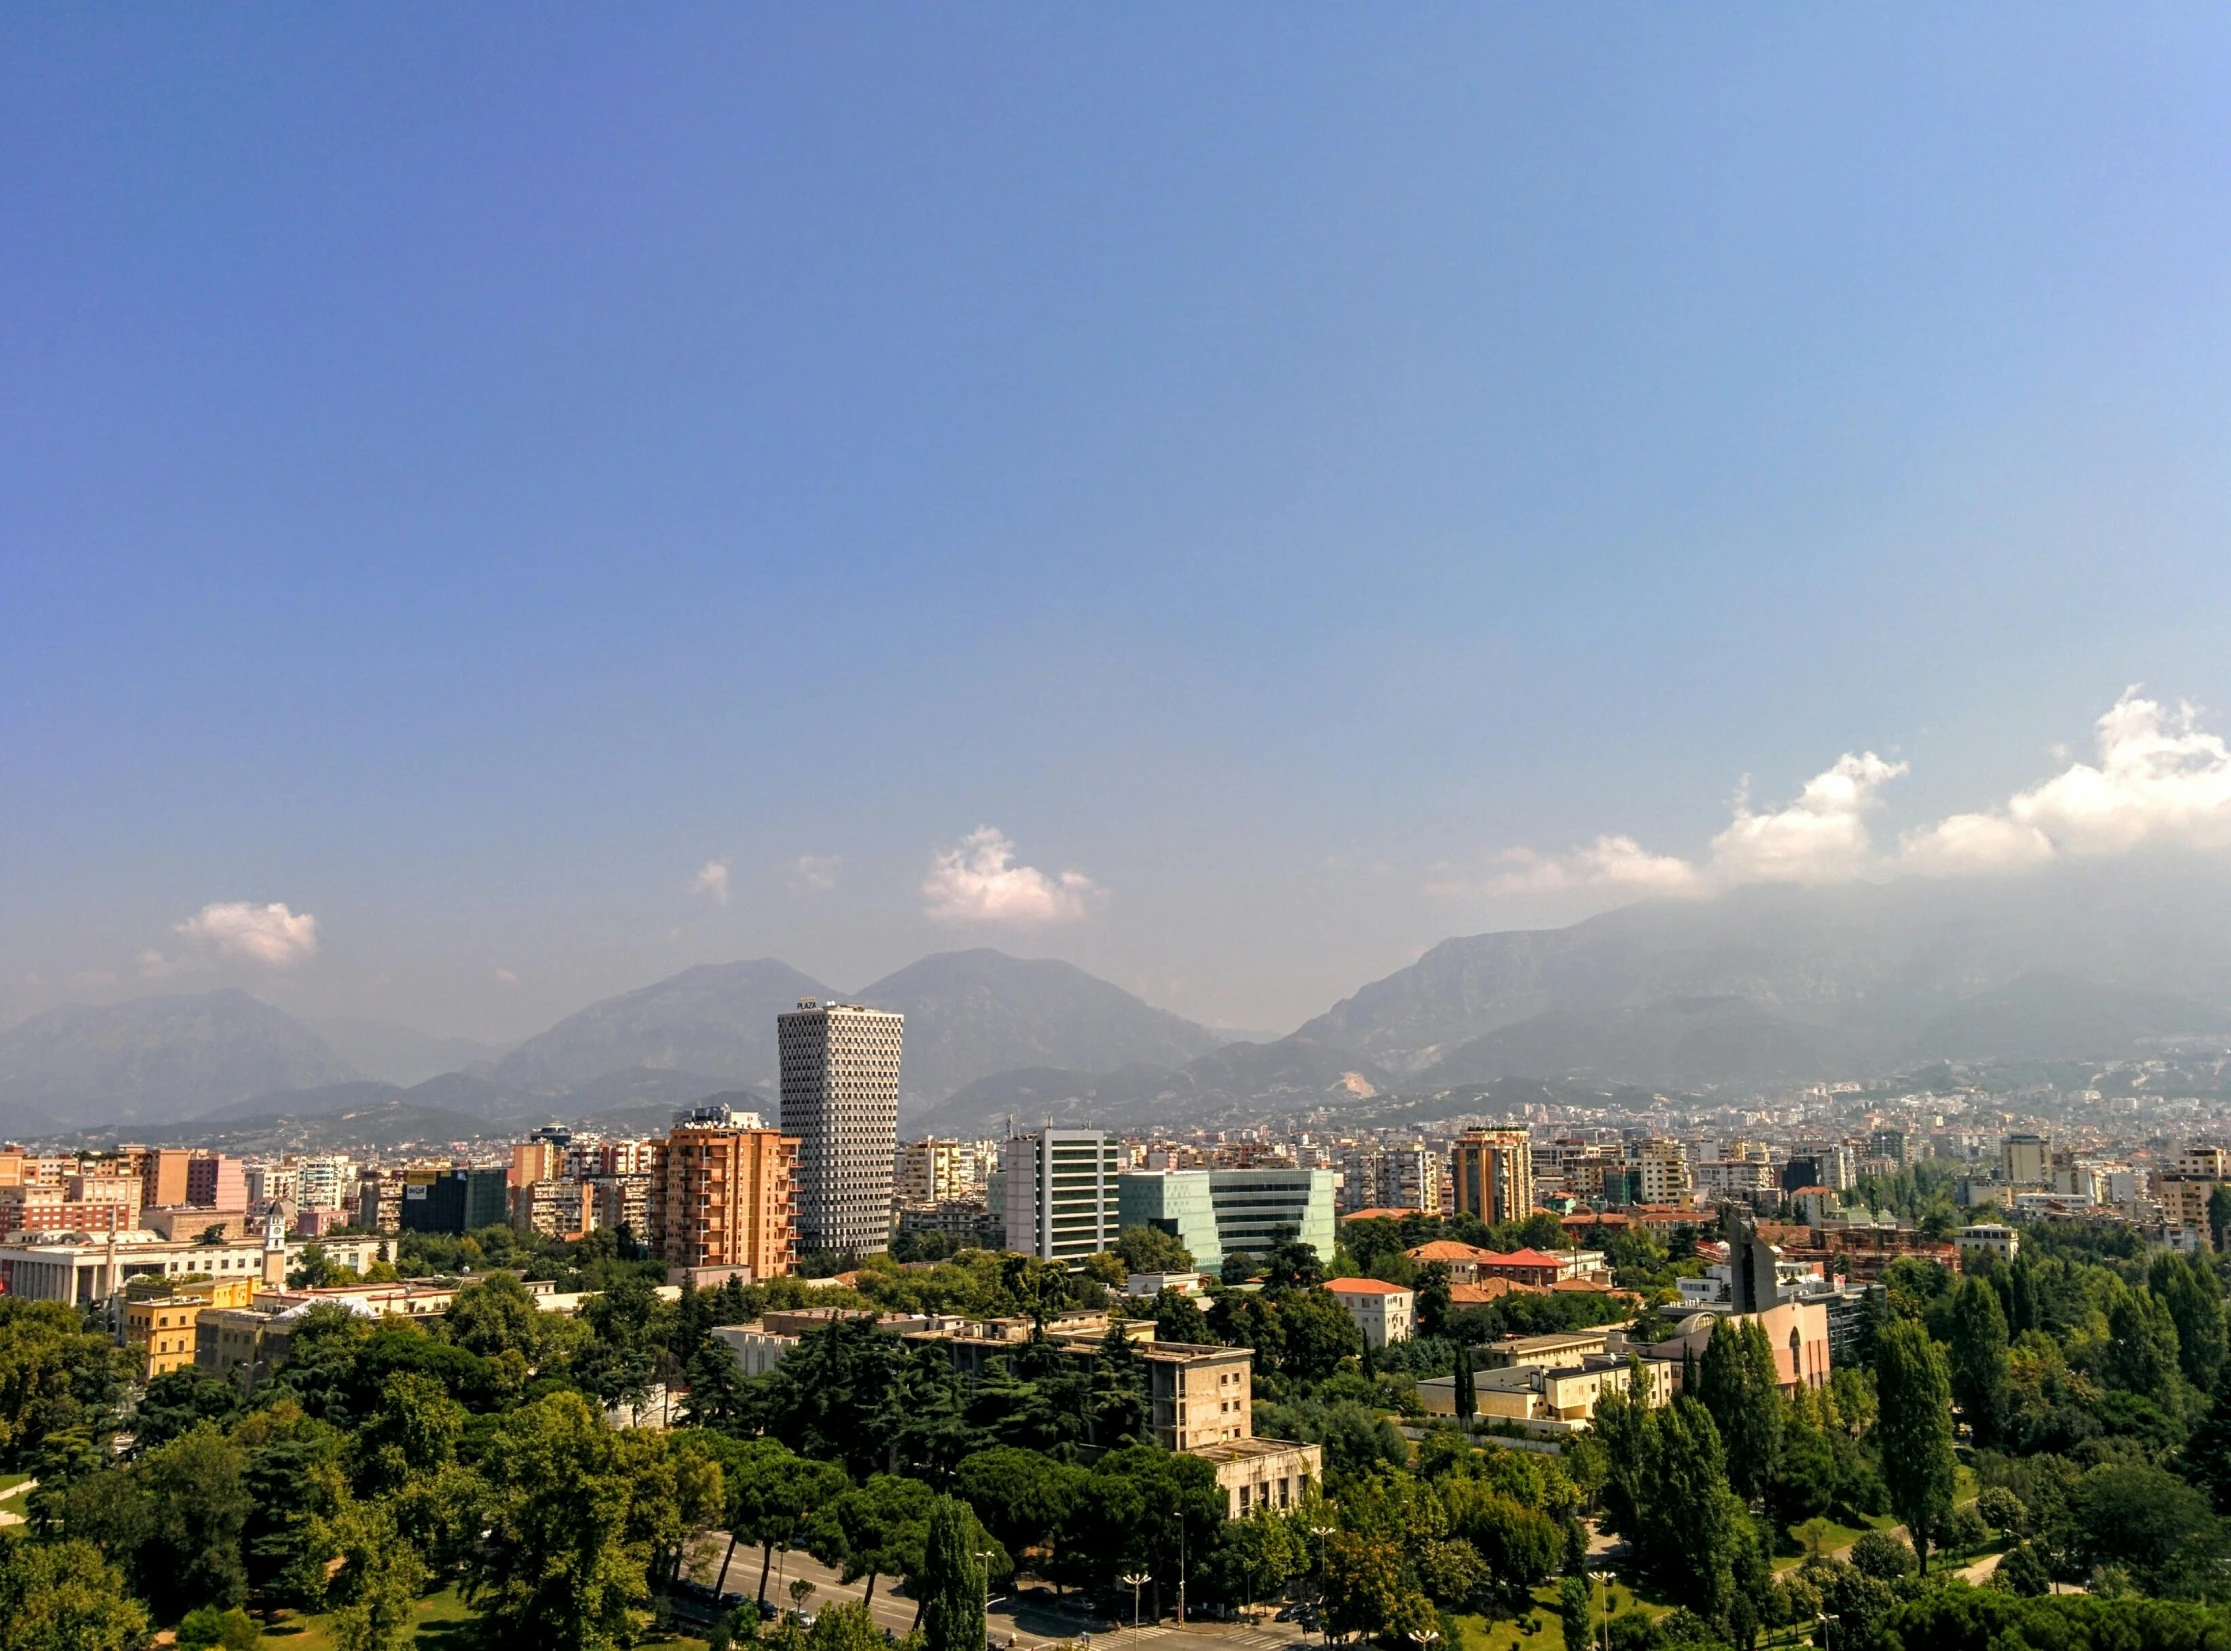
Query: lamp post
(1603, 1614)
(1134, 1580)
(1827, 1631)
(1320, 1532)
(984, 1560)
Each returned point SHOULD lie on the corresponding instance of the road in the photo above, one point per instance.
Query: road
(1027, 1624)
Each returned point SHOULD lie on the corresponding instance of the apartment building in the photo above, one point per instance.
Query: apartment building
(840, 1103)
(1492, 1175)
(931, 1171)
(722, 1194)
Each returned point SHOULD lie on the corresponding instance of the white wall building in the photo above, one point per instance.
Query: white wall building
(1382, 1311)
(1059, 1187)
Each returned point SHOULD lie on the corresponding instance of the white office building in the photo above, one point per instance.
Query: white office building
(840, 1098)
(1059, 1188)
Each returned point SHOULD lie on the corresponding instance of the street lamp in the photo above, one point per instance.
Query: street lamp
(1134, 1580)
(1827, 1633)
(984, 1559)
(1320, 1532)
(1603, 1616)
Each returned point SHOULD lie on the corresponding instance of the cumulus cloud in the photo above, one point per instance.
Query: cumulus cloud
(1608, 862)
(979, 882)
(1821, 837)
(814, 873)
(269, 935)
(2160, 778)
(712, 881)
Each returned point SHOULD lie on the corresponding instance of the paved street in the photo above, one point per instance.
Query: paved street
(1032, 1623)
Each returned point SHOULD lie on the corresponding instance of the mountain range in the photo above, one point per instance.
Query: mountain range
(1761, 986)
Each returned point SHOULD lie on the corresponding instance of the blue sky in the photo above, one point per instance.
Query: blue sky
(465, 473)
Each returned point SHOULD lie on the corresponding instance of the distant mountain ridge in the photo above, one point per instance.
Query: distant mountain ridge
(1781, 982)
(1764, 985)
(157, 1058)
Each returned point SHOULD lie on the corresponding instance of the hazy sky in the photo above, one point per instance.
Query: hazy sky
(498, 504)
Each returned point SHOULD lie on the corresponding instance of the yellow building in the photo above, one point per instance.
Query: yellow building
(160, 1328)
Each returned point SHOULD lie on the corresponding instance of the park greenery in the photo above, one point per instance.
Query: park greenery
(2067, 1414)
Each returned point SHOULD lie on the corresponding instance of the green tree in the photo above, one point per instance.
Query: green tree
(1362, 1584)
(1433, 1298)
(415, 1431)
(847, 1625)
(2141, 1354)
(292, 1474)
(874, 1530)
(825, 1398)
(1317, 1333)
(54, 1375)
(952, 1582)
(1119, 1390)
(1466, 1394)
(2186, 1286)
(1913, 1388)
(576, 1514)
(378, 1581)
(1576, 1608)
(1178, 1317)
(2152, 1524)
(2023, 1572)
(63, 1596)
(772, 1492)
(1700, 1513)
(1021, 1496)
(496, 1316)
(1258, 1555)
(1978, 1356)
(1738, 1384)
(1150, 1250)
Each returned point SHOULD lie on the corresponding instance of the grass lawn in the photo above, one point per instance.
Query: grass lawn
(10, 1482)
(1509, 1633)
(443, 1621)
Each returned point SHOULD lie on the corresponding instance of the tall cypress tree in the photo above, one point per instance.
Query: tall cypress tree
(1978, 1356)
(952, 1579)
(1913, 1425)
(1739, 1385)
(1467, 1393)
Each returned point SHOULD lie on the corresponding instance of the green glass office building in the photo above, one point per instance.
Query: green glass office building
(1214, 1212)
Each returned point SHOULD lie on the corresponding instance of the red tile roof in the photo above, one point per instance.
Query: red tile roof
(1379, 1215)
(1365, 1287)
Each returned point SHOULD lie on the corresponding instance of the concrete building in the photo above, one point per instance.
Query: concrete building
(722, 1193)
(271, 1183)
(1491, 1175)
(164, 1176)
(86, 1272)
(1383, 1312)
(1214, 1212)
(1060, 1192)
(1661, 1170)
(1561, 1396)
(215, 1182)
(326, 1182)
(159, 1320)
(2025, 1161)
(1988, 1238)
(932, 1171)
(840, 1103)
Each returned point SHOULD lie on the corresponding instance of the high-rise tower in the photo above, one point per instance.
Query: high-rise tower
(840, 1100)
(1494, 1174)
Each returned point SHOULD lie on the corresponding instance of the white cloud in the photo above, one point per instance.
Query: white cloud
(270, 935)
(2160, 779)
(504, 977)
(979, 882)
(1608, 862)
(814, 873)
(712, 880)
(1821, 837)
